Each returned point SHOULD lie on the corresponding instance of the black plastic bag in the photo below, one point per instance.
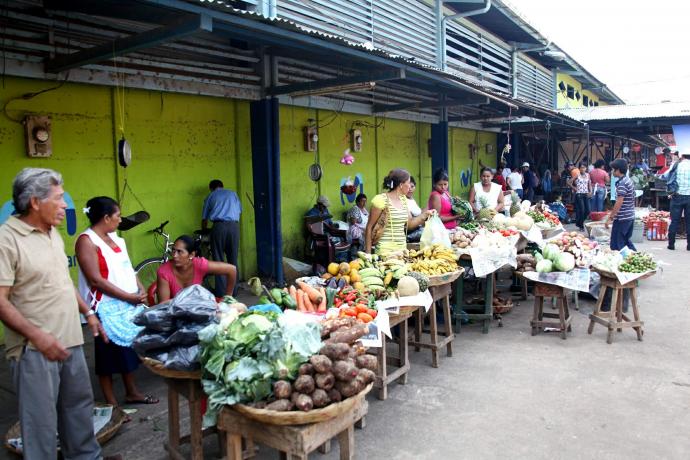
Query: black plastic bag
(184, 358)
(147, 340)
(158, 318)
(158, 355)
(186, 334)
(194, 304)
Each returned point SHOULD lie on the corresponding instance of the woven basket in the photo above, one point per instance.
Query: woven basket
(439, 280)
(103, 436)
(272, 417)
(157, 368)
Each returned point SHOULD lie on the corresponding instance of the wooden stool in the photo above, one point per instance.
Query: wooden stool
(293, 441)
(401, 362)
(481, 313)
(191, 390)
(442, 293)
(542, 290)
(615, 318)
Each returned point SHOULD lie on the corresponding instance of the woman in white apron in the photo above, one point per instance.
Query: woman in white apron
(108, 283)
(486, 194)
(357, 218)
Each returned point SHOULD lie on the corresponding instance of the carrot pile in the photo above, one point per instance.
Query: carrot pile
(308, 299)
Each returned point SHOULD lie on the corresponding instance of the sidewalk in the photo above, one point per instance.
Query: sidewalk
(508, 394)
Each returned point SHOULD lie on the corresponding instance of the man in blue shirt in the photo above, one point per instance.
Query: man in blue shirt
(223, 208)
(623, 213)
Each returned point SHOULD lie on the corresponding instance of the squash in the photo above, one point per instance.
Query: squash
(333, 268)
(354, 275)
(344, 268)
(355, 264)
(408, 286)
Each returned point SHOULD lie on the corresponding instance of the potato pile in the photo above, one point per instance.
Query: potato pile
(462, 238)
(341, 370)
(526, 263)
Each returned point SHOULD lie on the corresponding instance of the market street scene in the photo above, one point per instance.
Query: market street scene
(344, 229)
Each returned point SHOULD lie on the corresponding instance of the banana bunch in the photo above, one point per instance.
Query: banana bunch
(372, 278)
(368, 260)
(433, 260)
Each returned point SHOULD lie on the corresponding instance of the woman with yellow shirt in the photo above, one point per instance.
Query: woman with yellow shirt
(399, 219)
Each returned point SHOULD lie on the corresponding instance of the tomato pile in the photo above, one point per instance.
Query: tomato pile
(352, 302)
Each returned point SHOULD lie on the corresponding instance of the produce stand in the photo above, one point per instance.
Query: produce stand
(401, 362)
(473, 312)
(440, 289)
(187, 385)
(559, 293)
(294, 441)
(615, 319)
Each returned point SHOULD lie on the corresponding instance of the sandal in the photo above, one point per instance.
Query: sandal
(148, 399)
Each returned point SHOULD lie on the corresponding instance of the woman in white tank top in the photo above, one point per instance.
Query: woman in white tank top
(486, 192)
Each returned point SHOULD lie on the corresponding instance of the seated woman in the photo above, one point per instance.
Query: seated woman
(394, 203)
(187, 268)
(357, 217)
(486, 194)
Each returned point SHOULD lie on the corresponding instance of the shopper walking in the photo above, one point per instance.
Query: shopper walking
(515, 181)
(599, 178)
(40, 308)
(622, 215)
(679, 194)
(582, 188)
(223, 208)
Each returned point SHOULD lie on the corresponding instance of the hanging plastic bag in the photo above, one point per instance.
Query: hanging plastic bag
(434, 233)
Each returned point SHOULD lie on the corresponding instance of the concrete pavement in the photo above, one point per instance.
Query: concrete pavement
(510, 395)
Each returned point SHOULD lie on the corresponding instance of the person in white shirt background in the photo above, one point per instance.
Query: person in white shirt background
(515, 181)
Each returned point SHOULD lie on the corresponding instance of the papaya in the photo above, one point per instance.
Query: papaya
(344, 268)
(333, 268)
(354, 276)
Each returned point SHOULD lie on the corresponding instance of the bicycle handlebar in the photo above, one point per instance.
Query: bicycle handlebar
(160, 228)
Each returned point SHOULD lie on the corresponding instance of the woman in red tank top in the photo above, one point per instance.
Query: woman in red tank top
(440, 199)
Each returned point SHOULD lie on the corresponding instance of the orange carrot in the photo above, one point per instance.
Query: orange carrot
(322, 305)
(307, 303)
(300, 301)
(314, 295)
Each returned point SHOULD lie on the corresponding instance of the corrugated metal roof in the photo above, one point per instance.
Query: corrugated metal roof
(630, 112)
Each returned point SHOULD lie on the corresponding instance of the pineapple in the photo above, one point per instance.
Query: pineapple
(515, 204)
(485, 213)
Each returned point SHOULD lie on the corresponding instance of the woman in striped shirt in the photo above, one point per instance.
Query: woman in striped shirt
(400, 220)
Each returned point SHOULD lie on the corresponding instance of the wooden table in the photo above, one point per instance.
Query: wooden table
(483, 313)
(401, 362)
(438, 293)
(542, 290)
(615, 319)
(293, 442)
(191, 390)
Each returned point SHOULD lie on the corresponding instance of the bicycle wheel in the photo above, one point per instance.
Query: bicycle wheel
(147, 270)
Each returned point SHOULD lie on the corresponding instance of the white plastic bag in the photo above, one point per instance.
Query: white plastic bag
(434, 233)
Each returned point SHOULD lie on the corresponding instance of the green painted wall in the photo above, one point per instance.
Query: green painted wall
(387, 144)
(464, 169)
(179, 143)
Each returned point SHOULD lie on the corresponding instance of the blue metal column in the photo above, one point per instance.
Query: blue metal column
(439, 146)
(265, 129)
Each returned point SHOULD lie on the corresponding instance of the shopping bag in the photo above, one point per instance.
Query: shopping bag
(434, 233)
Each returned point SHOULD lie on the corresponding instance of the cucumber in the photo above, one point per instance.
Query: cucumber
(288, 301)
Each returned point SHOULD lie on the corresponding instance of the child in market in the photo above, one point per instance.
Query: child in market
(559, 208)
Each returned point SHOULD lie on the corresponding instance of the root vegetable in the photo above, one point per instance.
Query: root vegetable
(367, 362)
(325, 381)
(334, 395)
(332, 325)
(320, 398)
(305, 384)
(304, 403)
(280, 405)
(344, 371)
(366, 376)
(282, 389)
(349, 335)
(335, 351)
(306, 369)
(293, 398)
(321, 363)
(348, 389)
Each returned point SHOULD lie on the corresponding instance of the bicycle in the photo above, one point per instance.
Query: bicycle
(147, 270)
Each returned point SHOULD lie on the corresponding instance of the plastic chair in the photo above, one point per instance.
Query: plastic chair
(323, 249)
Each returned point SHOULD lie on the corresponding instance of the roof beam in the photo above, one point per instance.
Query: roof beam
(469, 100)
(335, 83)
(120, 46)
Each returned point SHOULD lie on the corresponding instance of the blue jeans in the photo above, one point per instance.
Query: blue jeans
(597, 201)
(621, 232)
(581, 209)
(519, 192)
(680, 205)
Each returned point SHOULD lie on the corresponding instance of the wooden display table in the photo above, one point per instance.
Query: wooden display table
(438, 293)
(293, 441)
(483, 313)
(401, 362)
(615, 318)
(542, 290)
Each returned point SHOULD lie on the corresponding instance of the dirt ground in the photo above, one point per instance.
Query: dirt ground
(507, 394)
